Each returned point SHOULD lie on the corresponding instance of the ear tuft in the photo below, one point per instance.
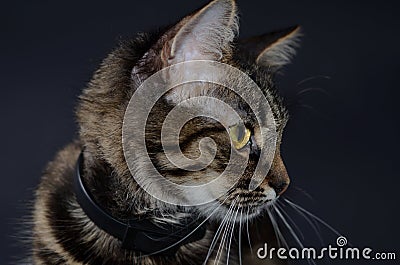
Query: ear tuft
(274, 49)
(207, 34)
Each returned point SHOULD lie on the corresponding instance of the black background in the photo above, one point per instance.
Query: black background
(341, 144)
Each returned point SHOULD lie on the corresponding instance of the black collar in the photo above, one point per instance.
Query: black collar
(137, 234)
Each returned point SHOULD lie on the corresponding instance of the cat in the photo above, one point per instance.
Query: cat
(69, 228)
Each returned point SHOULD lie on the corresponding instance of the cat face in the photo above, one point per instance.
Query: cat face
(208, 34)
(208, 138)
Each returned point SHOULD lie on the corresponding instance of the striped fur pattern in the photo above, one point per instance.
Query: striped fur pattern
(63, 234)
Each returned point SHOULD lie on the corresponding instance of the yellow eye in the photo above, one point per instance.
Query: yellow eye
(240, 136)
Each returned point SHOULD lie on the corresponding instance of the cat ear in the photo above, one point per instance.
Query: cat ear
(274, 49)
(204, 35)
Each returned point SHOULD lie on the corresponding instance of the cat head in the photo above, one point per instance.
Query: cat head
(207, 34)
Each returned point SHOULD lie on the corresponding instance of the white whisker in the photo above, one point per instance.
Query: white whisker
(312, 89)
(217, 234)
(240, 236)
(312, 78)
(222, 243)
(310, 222)
(292, 232)
(247, 227)
(194, 230)
(313, 216)
(230, 239)
(290, 220)
(215, 238)
(279, 236)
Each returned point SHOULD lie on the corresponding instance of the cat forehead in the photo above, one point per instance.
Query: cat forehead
(210, 100)
(259, 76)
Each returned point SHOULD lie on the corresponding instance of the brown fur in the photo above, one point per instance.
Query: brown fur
(63, 234)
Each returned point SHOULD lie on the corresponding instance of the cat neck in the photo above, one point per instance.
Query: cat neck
(147, 234)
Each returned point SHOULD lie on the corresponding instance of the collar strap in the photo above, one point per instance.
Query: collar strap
(137, 234)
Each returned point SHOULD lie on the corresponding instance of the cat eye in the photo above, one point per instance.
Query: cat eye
(240, 136)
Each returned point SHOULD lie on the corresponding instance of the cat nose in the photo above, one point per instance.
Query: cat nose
(278, 177)
(278, 186)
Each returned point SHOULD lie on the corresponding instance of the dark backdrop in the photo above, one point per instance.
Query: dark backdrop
(341, 144)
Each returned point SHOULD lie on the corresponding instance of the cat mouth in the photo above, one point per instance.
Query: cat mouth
(246, 208)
